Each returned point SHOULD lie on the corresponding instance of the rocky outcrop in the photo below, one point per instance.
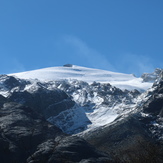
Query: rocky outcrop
(2, 100)
(22, 130)
(69, 148)
(151, 77)
(8, 83)
(68, 65)
(154, 105)
(46, 102)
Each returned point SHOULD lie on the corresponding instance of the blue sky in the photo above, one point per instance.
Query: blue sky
(117, 35)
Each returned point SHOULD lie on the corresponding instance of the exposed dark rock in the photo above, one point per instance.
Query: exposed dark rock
(72, 149)
(2, 100)
(154, 105)
(22, 130)
(151, 77)
(11, 82)
(127, 140)
(46, 102)
(68, 65)
(26, 136)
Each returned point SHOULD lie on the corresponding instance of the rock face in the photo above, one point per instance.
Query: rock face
(154, 105)
(151, 77)
(21, 131)
(2, 100)
(48, 103)
(26, 136)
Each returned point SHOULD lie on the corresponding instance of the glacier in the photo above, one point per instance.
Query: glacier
(89, 75)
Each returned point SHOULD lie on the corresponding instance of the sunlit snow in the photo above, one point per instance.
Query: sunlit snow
(120, 80)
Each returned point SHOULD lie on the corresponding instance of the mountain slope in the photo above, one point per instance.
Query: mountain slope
(127, 124)
(120, 80)
(25, 136)
(136, 136)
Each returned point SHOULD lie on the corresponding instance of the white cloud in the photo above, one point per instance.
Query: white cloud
(81, 54)
(87, 54)
(137, 64)
(17, 66)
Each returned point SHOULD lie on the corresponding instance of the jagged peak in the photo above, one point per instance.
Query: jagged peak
(151, 77)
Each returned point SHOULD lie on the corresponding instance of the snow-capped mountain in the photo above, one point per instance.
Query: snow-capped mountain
(98, 102)
(100, 96)
(107, 109)
(80, 105)
(89, 75)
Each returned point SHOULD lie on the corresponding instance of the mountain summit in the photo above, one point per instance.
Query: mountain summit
(89, 75)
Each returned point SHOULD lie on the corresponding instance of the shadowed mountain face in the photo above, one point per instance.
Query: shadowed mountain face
(126, 126)
(26, 136)
(127, 140)
(46, 102)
